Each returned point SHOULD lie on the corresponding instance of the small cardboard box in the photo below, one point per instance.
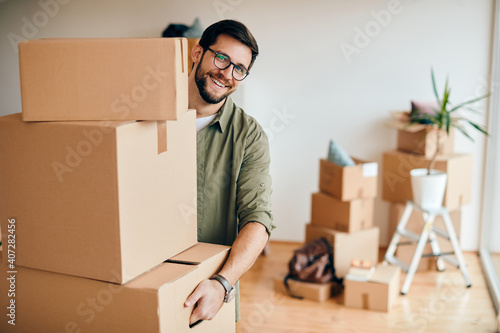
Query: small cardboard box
(415, 224)
(319, 292)
(396, 182)
(103, 79)
(421, 139)
(361, 245)
(424, 141)
(350, 182)
(378, 293)
(152, 303)
(96, 199)
(348, 216)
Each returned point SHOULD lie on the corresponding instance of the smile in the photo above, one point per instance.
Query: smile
(218, 83)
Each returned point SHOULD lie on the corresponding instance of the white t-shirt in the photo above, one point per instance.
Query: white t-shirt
(201, 123)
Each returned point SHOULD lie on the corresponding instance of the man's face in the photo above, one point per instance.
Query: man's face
(216, 84)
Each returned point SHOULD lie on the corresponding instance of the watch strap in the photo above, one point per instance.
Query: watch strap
(222, 280)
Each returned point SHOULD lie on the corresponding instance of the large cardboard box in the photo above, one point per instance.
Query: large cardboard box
(350, 182)
(347, 246)
(103, 79)
(396, 182)
(348, 216)
(154, 302)
(416, 224)
(98, 200)
(378, 293)
(318, 292)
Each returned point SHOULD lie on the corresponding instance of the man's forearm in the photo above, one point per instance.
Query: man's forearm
(246, 248)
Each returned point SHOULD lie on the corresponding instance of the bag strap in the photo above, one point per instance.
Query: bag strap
(287, 287)
(335, 279)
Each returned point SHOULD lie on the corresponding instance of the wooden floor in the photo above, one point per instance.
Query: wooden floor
(436, 302)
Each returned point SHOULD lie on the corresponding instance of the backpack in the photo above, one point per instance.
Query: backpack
(313, 263)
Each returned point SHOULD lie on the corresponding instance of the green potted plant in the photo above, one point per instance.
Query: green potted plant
(429, 185)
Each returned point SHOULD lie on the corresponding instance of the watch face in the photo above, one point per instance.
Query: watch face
(230, 295)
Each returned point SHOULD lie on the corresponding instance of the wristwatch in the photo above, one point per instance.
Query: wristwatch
(228, 297)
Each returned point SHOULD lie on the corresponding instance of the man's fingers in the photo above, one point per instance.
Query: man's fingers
(195, 316)
(194, 297)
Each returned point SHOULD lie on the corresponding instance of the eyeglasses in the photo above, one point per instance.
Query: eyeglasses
(222, 61)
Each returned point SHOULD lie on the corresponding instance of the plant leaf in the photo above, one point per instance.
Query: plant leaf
(447, 122)
(478, 127)
(461, 129)
(470, 102)
(423, 116)
(471, 109)
(434, 86)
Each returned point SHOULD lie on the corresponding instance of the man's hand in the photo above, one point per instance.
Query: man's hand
(208, 298)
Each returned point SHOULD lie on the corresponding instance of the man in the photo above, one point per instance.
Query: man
(234, 185)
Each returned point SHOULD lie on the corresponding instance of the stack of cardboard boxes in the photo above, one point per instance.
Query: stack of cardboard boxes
(342, 212)
(93, 201)
(415, 147)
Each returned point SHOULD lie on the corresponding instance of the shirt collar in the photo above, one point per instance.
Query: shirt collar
(224, 114)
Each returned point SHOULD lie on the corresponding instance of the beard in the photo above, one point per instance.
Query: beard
(201, 79)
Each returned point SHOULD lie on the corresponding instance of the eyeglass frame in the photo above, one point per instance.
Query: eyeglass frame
(230, 63)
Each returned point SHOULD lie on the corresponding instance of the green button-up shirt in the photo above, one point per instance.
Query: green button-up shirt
(234, 184)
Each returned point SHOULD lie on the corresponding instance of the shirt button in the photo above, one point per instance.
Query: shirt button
(262, 184)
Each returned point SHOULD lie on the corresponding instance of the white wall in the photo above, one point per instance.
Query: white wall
(303, 89)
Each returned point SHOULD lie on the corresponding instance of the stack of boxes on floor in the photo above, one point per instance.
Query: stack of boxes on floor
(342, 212)
(415, 146)
(92, 201)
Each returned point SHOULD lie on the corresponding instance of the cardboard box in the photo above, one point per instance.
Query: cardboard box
(419, 138)
(154, 302)
(396, 182)
(425, 140)
(349, 216)
(103, 79)
(416, 224)
(347, 246)
(95, 199)
(378, 293)
(319, 292)
(350, 182)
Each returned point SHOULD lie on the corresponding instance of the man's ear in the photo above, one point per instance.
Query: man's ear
(196, 53)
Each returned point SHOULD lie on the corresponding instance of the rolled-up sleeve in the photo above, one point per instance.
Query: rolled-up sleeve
(253, 202)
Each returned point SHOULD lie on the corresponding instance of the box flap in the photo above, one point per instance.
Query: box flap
(198, 253)
(405, 126)
(384, 274)
(160, 276)
(17, 117)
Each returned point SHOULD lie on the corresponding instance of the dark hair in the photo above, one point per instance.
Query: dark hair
(234, 29)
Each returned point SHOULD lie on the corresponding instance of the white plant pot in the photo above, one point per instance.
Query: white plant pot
(428, 190)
